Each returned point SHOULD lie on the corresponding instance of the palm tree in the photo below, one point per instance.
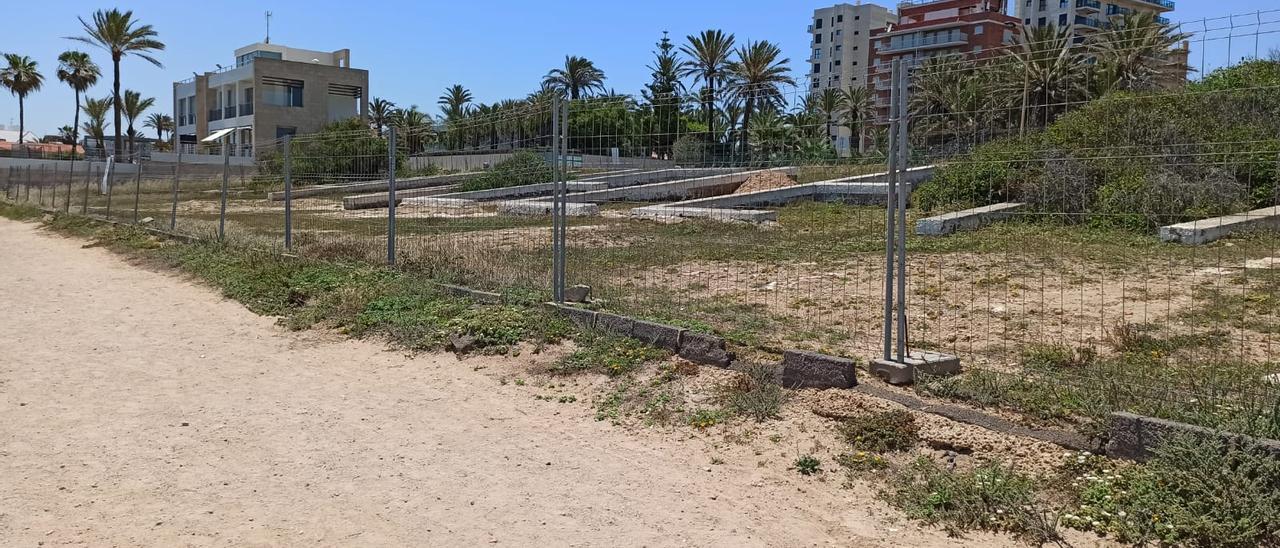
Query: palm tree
(119, 34)
(77, 70)
(856, 108)
(414, 125)
(710, 53)
(1138, 54)
(665, 93)
(454, 106)
(829, 105)
(1043, 66)
(96, 125)
(578, 76)
(21, 77)
(380, 111)
(757, 73)
(161, 123)
(134, 106)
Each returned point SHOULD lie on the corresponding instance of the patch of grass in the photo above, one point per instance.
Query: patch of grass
(1194, 492)
(860, 462)
(608, 354)
(1057, 356)
(881, 432)
(753, 393)
(992, 497)
(706, 417)
(19, 212)
(807, 465)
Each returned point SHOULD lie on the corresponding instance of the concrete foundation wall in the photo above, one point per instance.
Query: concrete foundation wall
(1216, 228)
(367, 186)
(968, 219)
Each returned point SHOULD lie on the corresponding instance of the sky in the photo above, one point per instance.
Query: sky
(497, 49)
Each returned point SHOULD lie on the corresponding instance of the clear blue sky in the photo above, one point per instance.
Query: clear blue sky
(413, 49)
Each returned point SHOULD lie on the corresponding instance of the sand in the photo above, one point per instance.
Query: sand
(142, 409)
(769, 180)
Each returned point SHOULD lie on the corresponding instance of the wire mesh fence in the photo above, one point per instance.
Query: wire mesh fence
(1061, 225)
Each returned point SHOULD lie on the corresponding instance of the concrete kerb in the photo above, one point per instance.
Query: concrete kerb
(681, 188)
(801, 369)
(365, 186)
(1135, 437)
(1208, 230)
(862, 190)
(968, 219)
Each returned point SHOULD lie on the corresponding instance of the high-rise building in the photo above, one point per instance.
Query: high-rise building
(840, 51)
(972, 28)
(270, 92)
(1086, 16)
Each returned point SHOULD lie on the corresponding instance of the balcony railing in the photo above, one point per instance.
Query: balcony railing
(215, 115)
(229, 112)
(927, 42)
(1092, 23)
(246, 109)
(1170, 4)
(1094, 5)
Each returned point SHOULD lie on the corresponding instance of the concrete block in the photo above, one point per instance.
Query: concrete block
(1209, 230)
(656, 334)
(1135, 437)
(704, 349)
(370, 186)
(929, 363)
(802, 369)
(473, 294)
(968, 219)
(581, 317)
(613, 323)
(577, 293)
(538, 207)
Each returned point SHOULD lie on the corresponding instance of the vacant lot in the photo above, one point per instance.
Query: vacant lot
(143, 410)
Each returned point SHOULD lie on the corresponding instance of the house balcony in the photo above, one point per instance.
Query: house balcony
(1089, 6)
(1163, 5)
(1091, 23)
(246, 109)
(215, 114)
(229, 112)
(929, 42)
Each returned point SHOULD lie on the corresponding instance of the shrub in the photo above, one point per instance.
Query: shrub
(807, 465)
(880, 432)
(522, 168)
(754, 393)
(992, 497)
(608, 354)
(339, 152)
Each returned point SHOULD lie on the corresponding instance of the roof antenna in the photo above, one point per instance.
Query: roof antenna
(268, 28)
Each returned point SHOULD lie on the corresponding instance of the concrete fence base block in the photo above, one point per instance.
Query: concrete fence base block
(615, 324)
(802, 369)
(474, 294)
(929, 363)
(656, 334)
(1208, 230)
(968, 219)
(581, 317)
(1135, 437)
(704, 349)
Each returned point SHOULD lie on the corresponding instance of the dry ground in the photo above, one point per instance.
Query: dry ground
(140, 409)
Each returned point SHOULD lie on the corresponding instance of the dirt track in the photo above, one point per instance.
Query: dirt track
(141, 409)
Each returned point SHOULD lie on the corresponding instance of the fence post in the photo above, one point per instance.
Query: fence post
(137, 188)
(564, 197)
(391, 196)
(226, 179)
(556, 294)
(288, 193)
(88, 178)
(107, 178)
(173, 204)
(71, 179)
(904, 153)
(40, 187)
(891, 203)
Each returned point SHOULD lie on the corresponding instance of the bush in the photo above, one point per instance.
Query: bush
(880, 432)
(754, 394)
(992, 497)
(340, 152)
(522, 168)
(1195, 492)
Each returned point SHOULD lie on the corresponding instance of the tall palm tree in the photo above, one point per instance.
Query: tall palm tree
(1138, 54)
(454, 106)
(21, 77)
(578, 76)
(67, 135)
(380, 111)
(709, 53)
(829, 105)
(134, 106)
(161, 123)
(77, 70)
(120, 35)
(756, 74)
(1043, 70)
(856, 107)
(96, 124)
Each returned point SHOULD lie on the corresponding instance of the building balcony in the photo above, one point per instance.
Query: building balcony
(1091, 23)
(246, 109)
(229, 112)
(1164, 5)
(1086, 6)
(215, 115)
(929, 42)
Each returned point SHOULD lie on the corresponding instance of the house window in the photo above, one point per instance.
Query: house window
(249, 57)
(837, 62)
(1062, 4)
(1042, 22)
(1044, 5)
(977, 29)
(1062, 20)
(282, 92)
(817, 24)
(839, 18)
(817, 53)
(282, 131)
(817, 38)
(817, 67)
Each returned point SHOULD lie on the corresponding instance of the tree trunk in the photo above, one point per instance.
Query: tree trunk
(115, 102)
(75, 130)
(711, 106)
(22, 120)
(747, 110)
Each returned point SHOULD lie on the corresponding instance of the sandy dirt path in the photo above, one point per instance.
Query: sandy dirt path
(142, 409)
